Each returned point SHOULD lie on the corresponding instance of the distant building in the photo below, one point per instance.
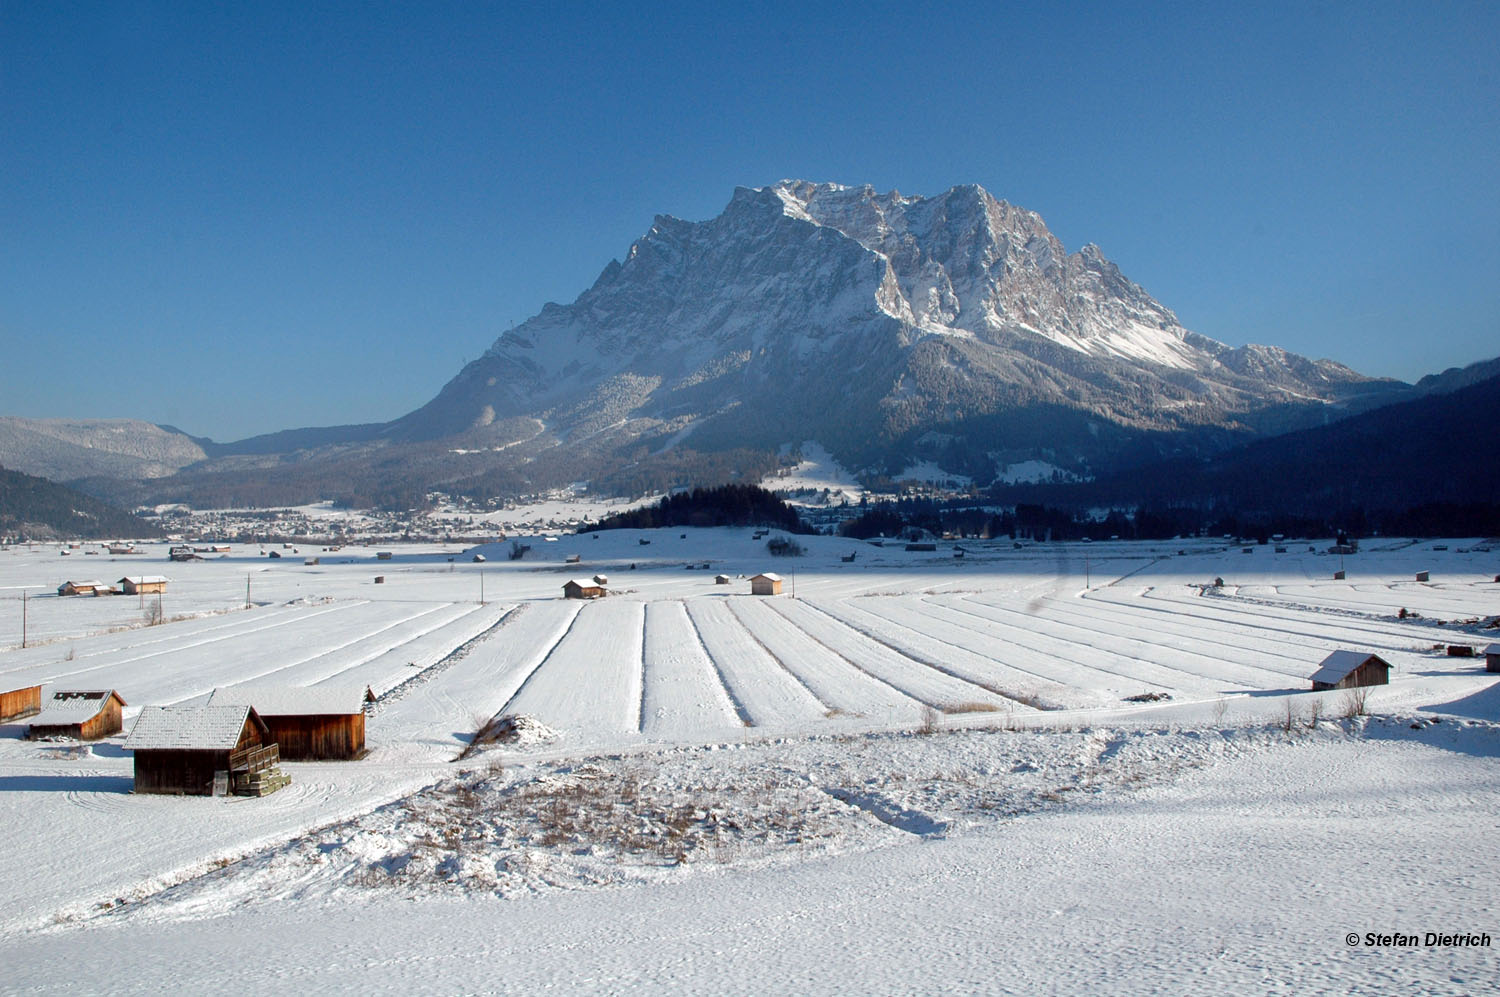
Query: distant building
(582, 588)
(1492, 658)
(142, 584)
(766, 583)
(84, 714)
(81, 588)
(1348, 669)
(721, 579)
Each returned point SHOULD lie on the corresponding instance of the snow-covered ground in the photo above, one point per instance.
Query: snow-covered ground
(907, 773)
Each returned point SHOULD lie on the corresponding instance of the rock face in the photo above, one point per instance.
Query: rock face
(885, 326)
(953, 331)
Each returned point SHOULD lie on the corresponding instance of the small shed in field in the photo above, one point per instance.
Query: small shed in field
(92, 587)
(142, 584)
(1347, 669)
(178, 749)
(721, 579)
(582, 588)
(766, 583)
(308, 724)
(18, 704)
(1492, 658)
(83, 714)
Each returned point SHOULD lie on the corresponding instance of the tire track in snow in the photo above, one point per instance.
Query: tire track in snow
(505, 707)
(776, 658)
(1115, 644)
(966, 690)
(739, 707)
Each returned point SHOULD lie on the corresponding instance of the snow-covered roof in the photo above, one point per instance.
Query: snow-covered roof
(73, 706)
(143, 579)
(92, 583)
(1492, 649)
(768, 575)
(587, 583)
(1334, 668)
(190, 728)
(293, 701)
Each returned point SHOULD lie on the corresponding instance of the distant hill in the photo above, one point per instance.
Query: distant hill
(38, 509)
(1435, 451)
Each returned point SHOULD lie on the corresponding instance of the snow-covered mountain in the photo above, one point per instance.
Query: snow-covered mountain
(880, 324)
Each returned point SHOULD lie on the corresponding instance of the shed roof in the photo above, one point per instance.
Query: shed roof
(586, 583)
(1492, 649)
(768, 575)
(73, 706)
(191, 728)
(92, 583)
(293, 701)
(143, 579)
(1339, 664)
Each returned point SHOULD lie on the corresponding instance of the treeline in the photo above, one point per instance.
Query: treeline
(724, 505)
(1147, 522)
(38, 509)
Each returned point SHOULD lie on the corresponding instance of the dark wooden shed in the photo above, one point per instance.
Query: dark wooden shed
(18, 704)
(309, 723)
(178, 749)
(582, 588)
(1492, 658)
(1348, 669)
(82, 714)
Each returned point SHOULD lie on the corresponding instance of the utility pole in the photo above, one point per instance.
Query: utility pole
(247, 591)
(23, 618)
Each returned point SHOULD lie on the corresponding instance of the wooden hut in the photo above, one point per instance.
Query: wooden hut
(180, 749)
(582, 588)
(82, 714)
(1347, 669)
(721, 579)
(142, 584)
(766, 583)
(93, 587)
(308, 724)
(1492, 658)
(18, 704)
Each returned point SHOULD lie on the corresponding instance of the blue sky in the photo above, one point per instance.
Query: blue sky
(249, 217)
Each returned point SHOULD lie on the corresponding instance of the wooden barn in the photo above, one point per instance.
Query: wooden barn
(308, 724)
(18, 704)
(1347, 669)
(582, 588)
(82, 714)
(142, 584)
(179, 749)
(1492, 658)
(766, 583)
(94, 587)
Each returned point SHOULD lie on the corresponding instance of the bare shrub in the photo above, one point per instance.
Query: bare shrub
(929, 724)
(153, 615)
(1314, 714)
(1288, 721)
(1221, 707)
(1354, 702)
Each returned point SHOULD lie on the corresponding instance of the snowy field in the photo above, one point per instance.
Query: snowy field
(1058, 765)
